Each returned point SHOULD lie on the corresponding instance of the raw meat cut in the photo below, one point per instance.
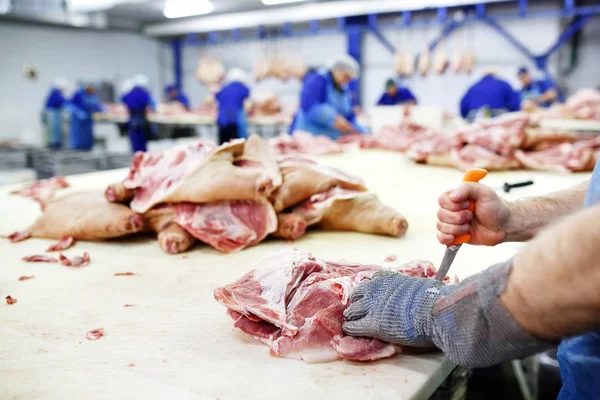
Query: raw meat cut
(18, 236)
(440, 59)
(456, 64)
(303, 177)
(290, 226)
(85, 216)
(10, 300)
(468, 61)
(228, 225)
(95, 334)
(64, 243)
(77, 261)
(564, 158)
(502, 135)
(172, 238)
(399, 63)
(198, 173)
(434, 149)
(473, 156)
(210, 70)
(424, 60)
(350, 210)
(409, 64)
(294, 303)
(265, 103)
(124, 274)
(39, 258)
(26, 277)
(304, 143)
(43, 191)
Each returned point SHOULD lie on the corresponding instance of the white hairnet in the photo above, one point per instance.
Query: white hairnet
(344, 62)
(141, 80)
(61, 83)
(126, 86)
(237, 75)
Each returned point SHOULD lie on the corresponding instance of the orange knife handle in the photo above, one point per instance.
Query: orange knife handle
(472, 175)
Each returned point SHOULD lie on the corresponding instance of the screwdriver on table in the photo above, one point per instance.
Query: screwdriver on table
(472, 175)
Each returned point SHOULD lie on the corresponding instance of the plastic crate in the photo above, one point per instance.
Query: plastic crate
(114, 161)
(69, 162)
(13, 158)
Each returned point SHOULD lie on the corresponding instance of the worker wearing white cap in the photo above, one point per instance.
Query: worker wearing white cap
(139, 102)
(325, 103)
(231, 98)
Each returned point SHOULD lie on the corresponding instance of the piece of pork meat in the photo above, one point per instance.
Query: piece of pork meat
(303, 177)
(76, 262)
(18, 236)
(43, 191)
(39, 258)
(64, 243)
(502, 135)
(172, 238)
(424, 60)
(85, 216)
(294, 303)
(228, 225)
(199, 173)
(304, 143)
(564, 158)
(348, 210)
(290, 226)
(435, 149)
(473, 156)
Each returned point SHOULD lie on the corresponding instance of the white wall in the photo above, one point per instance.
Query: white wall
(72, 54)
(490, 48)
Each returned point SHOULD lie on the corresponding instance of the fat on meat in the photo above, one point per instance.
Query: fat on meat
(341, 209)
(440, 59)
(228, 225)
(200, 173)
(424, 61)
(468, 61)
(563, 158)
(85, 215)
(294, 303)
(399, 63)
(290, 226)
(304, 143)
(172, 238)
(303, 177)
(64, 243)
(502, 135)
(43, 191)
(473, 156)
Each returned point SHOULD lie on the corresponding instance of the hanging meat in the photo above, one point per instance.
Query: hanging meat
(399, 63)
(440, 58)
(409, 64)
(85, 216)
(424, 60)
(468, 61)
(210, 70)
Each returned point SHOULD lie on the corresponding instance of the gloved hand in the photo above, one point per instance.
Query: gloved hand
(468, 322)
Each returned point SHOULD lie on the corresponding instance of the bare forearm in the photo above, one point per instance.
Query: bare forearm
(552, 290)
(529, 216)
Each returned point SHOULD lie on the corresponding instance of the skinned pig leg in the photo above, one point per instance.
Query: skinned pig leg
(173, 239)
(118, 193)
(290, 226)
(365, 214)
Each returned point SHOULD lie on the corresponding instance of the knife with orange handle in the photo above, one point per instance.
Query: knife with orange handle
(472, 175)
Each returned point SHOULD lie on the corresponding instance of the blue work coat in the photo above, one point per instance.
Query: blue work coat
(579, 356)
(137, 101)
(82, 106)
(402, 96)
(320, 103)
(490, 95)
(54, 105)
(231, 99)
(535, 90)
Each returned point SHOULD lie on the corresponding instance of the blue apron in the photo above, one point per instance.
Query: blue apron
(579, 357)
(137, 130)
(339, 100)
(81, 136)
(54, 126)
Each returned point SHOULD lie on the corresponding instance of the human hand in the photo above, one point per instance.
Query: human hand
(342, 125)
(393, 307)
(488, 225)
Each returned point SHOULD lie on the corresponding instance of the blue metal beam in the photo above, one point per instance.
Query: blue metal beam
(504, 33)
(480, 10)
(177, 63)
(568, 33)
(382, 39)
(522, 8)
(354, 44)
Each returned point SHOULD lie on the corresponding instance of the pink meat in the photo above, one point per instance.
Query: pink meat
(501, 135)
(77, 261)
(228, 225)
(473, 156)
(304, 143)
(43, 191)
(19, 236)
(39, 258)
(64, 243)
(566, 157)
(294, 303)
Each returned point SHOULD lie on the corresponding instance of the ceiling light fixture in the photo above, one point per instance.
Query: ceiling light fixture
(187, 8)
(275, 2)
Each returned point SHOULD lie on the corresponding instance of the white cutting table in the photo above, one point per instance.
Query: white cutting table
(178, 337)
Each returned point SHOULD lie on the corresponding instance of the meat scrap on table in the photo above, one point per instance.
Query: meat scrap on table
(124, 274)
(26, 277)
(39, 258)
(77, 261)
(64, 243)
(10, 300)
(294, 303)
(43, 191)
(95, 334)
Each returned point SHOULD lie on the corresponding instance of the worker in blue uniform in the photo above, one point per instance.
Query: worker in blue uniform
(325, 103)
(138, 101)
(83, 105)
(546, 293)
(55, 103)
(231, 101)
(489, 97)
(541, 92)
(395, 95)
(173, 94)
(309, 72)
